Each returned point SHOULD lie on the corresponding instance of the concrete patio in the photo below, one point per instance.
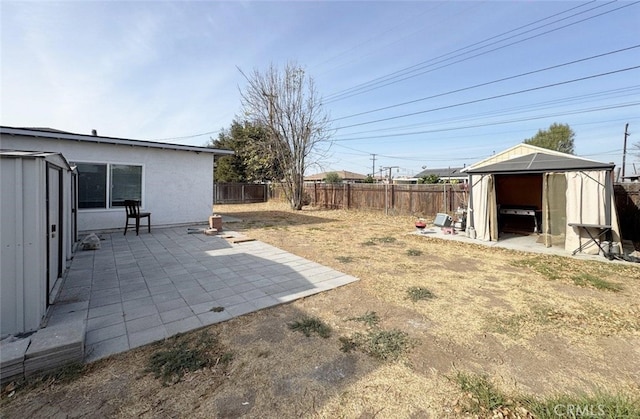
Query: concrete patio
(135, 290)
(520, 242)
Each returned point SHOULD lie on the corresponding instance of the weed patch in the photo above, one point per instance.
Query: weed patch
(186, 353)
(309, 325)
(483, 399)
(585, 280)
(377, 240)
(414, 252)
(386, 345)
(482, 396)
(416, 294)
(344, 259)
(370, 318)
(584, 406)
(549, 268)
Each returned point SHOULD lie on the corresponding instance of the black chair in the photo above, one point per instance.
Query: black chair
(133, 211)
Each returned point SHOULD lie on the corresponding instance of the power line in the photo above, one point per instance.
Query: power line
(528, 73)
(389, 80)
(593, 76)
(187, 136)
(404, 70)
(627, 90)
(363, 153)
(492, 123)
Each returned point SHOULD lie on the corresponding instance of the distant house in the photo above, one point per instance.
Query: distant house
(445, 174)
(347, 177)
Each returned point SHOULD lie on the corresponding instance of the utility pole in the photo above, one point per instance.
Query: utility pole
(624, 148)
(373, 169)
(389, 169)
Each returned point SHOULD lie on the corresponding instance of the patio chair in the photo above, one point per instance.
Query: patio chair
(133, 212)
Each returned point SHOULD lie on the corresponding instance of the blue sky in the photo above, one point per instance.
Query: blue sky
(168, 71)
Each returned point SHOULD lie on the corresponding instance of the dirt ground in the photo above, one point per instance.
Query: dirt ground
(534, 325)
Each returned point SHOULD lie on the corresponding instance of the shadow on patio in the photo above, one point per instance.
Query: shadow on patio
(140, 289)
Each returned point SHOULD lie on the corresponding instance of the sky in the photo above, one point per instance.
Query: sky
(413, 85)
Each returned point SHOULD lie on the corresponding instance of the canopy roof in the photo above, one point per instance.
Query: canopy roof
(541, 162)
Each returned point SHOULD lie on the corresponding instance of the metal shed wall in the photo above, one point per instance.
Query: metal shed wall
(23, 237)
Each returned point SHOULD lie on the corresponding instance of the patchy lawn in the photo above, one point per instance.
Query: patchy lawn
(432, 329)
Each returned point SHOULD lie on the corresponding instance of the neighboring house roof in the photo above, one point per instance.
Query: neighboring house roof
(442, 173)
(345, 175)
(540, 163)
(61, 135)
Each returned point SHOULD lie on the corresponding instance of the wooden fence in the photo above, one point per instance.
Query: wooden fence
(423, 200)
(239, 193)
(428, 200)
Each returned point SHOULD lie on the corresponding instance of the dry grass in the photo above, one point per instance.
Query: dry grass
(533, 326)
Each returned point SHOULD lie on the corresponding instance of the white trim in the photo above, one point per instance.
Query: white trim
(110, 140)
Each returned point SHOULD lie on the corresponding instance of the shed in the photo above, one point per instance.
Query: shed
(532, 188)
(37, 232)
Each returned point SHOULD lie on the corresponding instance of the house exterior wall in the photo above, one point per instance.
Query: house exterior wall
(177, 185)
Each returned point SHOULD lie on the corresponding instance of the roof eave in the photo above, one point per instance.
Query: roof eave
(112, 140)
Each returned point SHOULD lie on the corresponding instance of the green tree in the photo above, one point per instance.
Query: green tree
(333, 177)
(429, 179)
(558, 137)
(286, 102)
(249, 163)
(368, 179)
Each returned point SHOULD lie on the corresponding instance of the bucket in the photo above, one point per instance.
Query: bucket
(611, 248)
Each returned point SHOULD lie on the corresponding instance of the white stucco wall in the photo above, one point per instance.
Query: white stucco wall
(177, 185)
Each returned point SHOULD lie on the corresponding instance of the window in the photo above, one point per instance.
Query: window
(96, 189)
(92, 185)
(126, 183)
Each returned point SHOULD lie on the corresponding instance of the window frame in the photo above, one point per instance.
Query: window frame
(109, 184)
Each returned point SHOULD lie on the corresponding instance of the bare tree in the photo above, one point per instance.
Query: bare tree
(287, 103)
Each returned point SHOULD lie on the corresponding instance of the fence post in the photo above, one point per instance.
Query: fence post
(411, 199)
(393, 197)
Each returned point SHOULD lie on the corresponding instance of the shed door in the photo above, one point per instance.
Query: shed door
(54, 228)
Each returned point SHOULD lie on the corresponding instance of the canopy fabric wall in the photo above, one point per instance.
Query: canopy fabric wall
(589, 201)
(574, 191)
(484, 217)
